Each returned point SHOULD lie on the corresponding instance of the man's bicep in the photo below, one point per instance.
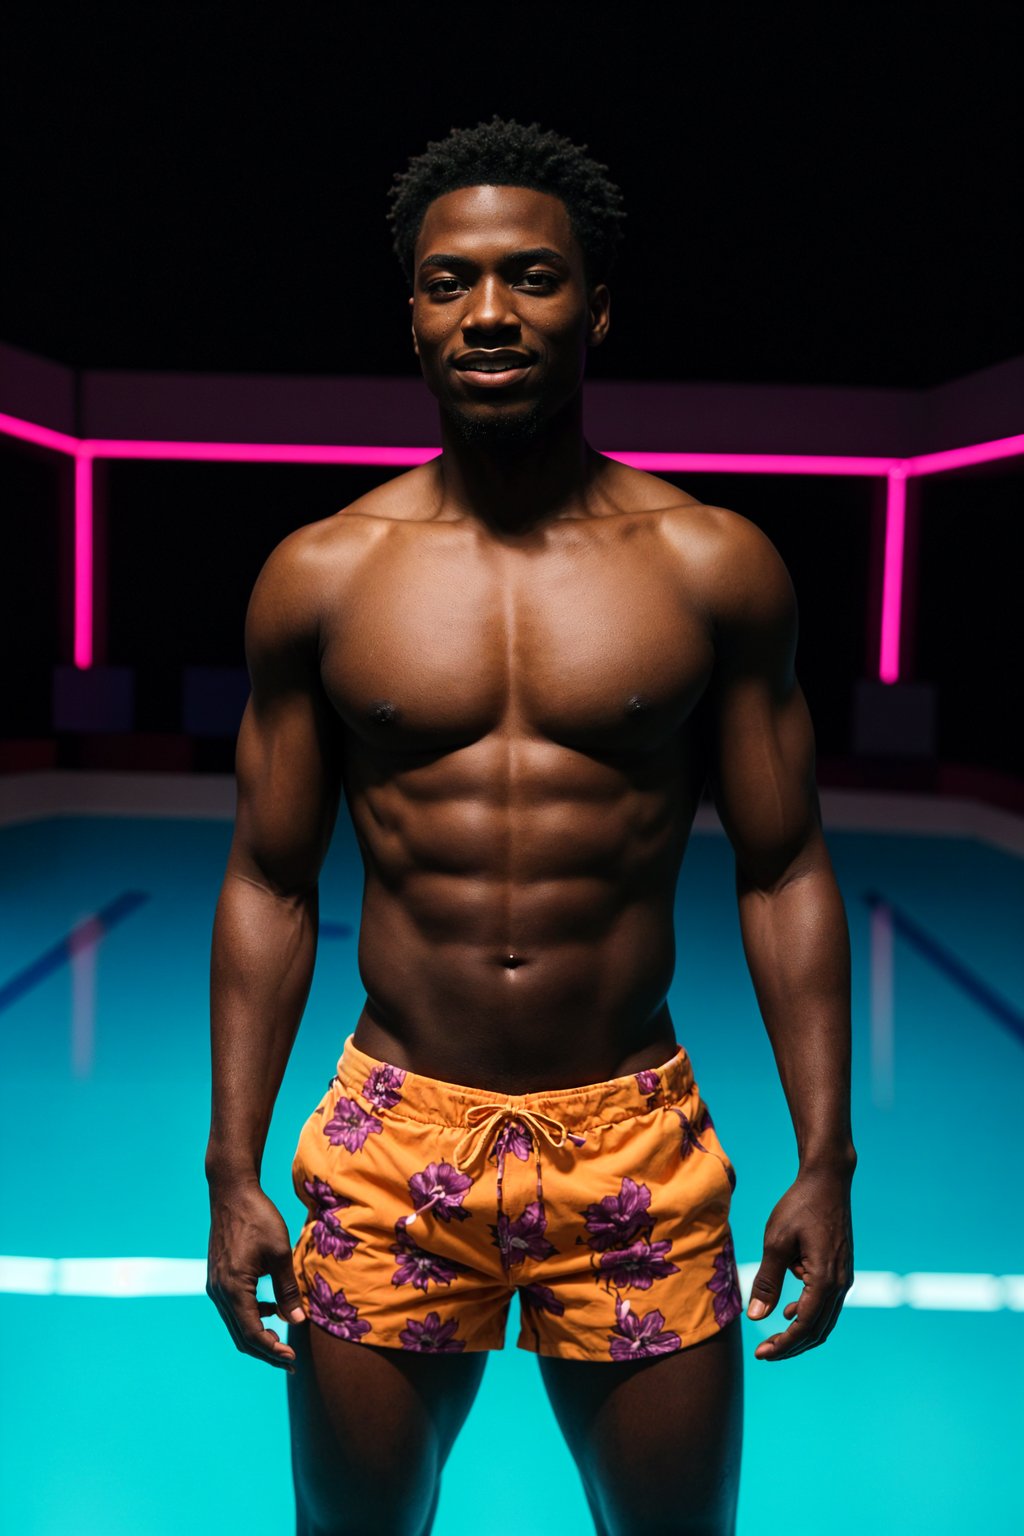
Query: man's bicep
(288, 760)
(762, 776)
(762, 753)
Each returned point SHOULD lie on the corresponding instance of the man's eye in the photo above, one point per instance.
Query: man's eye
(538, 280)
(438, 285)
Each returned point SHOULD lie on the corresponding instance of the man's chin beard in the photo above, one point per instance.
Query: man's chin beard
(497, 429)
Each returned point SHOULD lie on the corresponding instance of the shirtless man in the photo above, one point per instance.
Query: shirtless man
(521, 662)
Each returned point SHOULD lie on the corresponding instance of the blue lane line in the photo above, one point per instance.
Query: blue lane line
(84, 934)
(945, 961)
(335, 930)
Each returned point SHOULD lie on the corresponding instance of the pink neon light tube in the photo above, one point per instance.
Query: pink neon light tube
(42, 437)
(892, 578)
(83, 560)
(317, 453)
(896, 471)
(257, 453)
(961, 458)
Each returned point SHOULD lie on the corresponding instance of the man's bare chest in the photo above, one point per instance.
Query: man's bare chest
(594, 644)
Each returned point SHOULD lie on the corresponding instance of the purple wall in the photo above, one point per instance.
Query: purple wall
(738, 418)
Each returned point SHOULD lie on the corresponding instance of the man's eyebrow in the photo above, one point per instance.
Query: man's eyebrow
(514, 258)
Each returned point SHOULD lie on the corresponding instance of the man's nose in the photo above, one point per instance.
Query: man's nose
(490, 309)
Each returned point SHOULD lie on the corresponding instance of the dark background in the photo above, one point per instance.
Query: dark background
(815, 196)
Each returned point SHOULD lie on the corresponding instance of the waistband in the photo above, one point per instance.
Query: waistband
(415, 1096)
(496, 1124)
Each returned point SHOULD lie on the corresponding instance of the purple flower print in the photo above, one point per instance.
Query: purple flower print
(725, 1283)
(331, 1310)
(689, 1138)
(617, 1219)
(523, 1238)
(331, 1239)
(350, 1125)
(416, 1267)
(432, 1337)
(647, 1081)
(326, 1198)
(513, 1137)
(542, 1297)
(383, 1087)
(329, 1236)
(638, 1265)
(440, 1188)
(635, 1337)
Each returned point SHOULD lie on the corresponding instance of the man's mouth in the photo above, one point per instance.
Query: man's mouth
(493, 370)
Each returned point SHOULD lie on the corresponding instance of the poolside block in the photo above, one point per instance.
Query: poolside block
(135, 752)
(93, 698)
(213, 700)
(27, 754)
(894, 719)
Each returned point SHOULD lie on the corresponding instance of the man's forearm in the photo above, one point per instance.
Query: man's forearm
(797, 946)
(261, 969)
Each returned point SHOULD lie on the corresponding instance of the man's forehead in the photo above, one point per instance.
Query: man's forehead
(500, 216)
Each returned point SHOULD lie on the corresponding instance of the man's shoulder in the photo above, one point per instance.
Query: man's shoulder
(317, 553)
(699, 531)
(738, 570)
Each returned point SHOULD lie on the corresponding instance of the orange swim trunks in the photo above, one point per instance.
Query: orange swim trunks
(605, 1206)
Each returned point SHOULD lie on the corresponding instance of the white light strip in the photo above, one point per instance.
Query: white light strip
(955, 1293)
(103, 1277)
(922, 1291)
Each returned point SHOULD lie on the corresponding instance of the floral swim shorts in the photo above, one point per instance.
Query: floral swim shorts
(605, 1206)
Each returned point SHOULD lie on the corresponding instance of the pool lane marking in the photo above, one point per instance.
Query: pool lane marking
(83, 935)
(944, 960)
(136, 1277)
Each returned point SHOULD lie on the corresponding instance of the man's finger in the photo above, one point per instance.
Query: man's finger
(766, 1285)
(286, 1289)
(815, 1336)
(835, 1317)
(250, 1336)
(813, 1305)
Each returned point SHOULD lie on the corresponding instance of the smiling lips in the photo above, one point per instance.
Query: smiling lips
(493, 370)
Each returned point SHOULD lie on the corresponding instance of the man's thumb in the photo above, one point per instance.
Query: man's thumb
(286, 1292)
(765, 1288)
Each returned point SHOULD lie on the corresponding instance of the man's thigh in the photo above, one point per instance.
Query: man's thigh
(371, 1429)
(657, 1441)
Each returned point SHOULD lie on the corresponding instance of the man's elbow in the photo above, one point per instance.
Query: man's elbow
(770, 868)
(289, 892)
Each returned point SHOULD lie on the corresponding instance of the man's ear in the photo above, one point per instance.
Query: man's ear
(600, 305)
(415, 344)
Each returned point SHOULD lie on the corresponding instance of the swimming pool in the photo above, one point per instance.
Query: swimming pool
(126, 1406)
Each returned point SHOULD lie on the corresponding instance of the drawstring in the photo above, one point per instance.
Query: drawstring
(482, 1119)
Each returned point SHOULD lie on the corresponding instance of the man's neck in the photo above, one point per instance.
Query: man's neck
(515, 487)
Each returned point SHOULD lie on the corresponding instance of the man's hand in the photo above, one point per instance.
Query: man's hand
(809, 1232)
(248, 1238)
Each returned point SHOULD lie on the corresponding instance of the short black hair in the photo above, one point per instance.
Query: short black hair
(504, 153)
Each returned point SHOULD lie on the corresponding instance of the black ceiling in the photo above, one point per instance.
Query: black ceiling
(816, 194)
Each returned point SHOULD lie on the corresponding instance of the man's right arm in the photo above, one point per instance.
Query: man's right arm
(289, 774)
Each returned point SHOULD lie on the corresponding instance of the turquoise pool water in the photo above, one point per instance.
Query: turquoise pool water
(135, 1414)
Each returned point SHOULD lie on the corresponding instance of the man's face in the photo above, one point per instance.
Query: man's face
(501, 313)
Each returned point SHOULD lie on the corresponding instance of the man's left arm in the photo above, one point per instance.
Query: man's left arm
(793, 927)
